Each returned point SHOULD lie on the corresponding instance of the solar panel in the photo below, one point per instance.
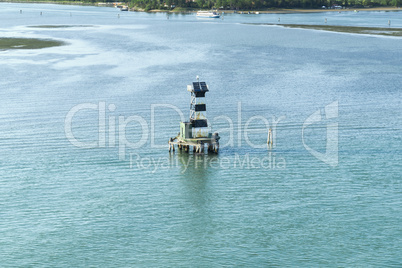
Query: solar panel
(199, 87)
(204, 86)
(196, 86)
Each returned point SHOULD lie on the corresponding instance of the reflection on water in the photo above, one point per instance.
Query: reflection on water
(197, 194)
(193, 165)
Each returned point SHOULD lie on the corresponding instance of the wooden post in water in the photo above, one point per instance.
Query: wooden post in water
(269, 139)
(171, 145)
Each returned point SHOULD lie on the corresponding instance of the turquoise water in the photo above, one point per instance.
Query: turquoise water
(127, 202)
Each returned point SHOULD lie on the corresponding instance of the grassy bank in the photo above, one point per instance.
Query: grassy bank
(344, 29)
(27, 43)
(351, 29)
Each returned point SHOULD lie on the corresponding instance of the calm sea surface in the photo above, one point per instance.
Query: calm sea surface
(86, 179)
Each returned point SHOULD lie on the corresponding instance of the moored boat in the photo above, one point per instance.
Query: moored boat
(208, 14)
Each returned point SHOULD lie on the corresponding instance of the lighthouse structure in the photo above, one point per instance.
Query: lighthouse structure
(195, 132)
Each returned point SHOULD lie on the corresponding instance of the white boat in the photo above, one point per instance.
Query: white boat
(208, 14)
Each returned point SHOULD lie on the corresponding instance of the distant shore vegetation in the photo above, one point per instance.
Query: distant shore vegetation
(241, 5)
(262, 4)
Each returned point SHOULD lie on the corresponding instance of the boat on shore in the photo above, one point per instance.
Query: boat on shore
(208, 14)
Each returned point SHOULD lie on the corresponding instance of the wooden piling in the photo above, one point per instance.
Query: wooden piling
(269, 139)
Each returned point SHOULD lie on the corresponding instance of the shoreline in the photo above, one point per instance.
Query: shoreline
(193, 10)
(276, 11)
(290, 11)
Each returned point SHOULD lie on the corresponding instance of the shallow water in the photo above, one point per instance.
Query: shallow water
(62, 205)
